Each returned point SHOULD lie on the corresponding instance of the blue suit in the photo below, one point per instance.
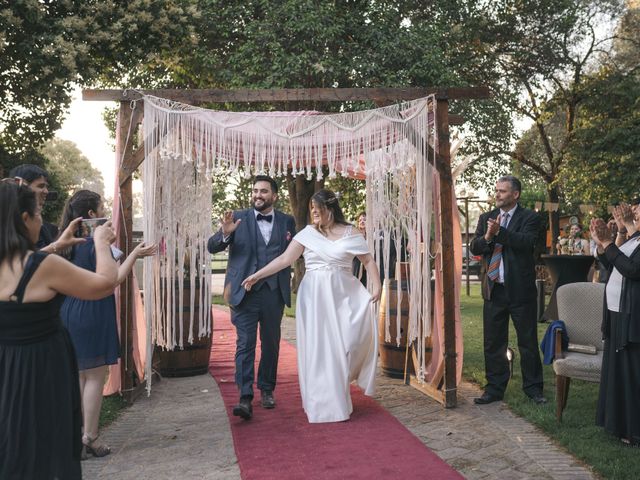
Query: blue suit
(264, 304)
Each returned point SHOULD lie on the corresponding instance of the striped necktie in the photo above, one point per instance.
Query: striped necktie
(496, 256)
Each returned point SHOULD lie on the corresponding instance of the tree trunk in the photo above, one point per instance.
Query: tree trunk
(553, 195)
(300, 192)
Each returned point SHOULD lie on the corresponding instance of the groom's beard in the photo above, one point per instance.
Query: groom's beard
(261, 205)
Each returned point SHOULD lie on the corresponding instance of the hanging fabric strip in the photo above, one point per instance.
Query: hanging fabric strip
(393, 148)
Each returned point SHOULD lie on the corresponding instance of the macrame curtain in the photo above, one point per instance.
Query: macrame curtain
(392, 147)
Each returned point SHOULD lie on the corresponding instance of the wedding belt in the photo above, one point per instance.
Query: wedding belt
(329, 267)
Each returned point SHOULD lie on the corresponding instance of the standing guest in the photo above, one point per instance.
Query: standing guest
(358, 269)
(506, 237)
(256, 236)
(40, 417)
(336, 327)
(92, 323)
(619, 395)
(37, 179)
(574, 244)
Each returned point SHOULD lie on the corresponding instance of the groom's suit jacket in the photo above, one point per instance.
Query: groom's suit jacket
(243, 252)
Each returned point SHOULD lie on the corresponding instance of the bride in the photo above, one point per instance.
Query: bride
(335, 319)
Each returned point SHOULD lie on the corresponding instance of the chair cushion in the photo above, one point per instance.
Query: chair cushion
(580, 308)
(579, 365)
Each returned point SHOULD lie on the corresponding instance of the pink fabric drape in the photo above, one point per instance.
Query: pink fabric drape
(435, 368)
(114, 383)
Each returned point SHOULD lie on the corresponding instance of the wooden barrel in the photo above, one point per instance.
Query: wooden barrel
(392, 355)
(192, 359)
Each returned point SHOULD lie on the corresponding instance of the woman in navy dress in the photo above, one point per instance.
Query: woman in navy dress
(40, 419)
(92, 324)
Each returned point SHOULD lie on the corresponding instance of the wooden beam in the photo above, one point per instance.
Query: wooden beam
(448, 261)
(456, 120)
(126, 125)
(198, 96)
(430, 390)
(131, 160)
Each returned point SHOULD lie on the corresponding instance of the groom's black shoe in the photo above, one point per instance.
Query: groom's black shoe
(267, 399)
(244, 408)
(486, 398)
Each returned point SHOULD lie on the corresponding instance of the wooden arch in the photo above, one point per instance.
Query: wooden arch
(129, 119)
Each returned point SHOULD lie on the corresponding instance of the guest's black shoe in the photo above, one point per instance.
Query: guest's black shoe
(538, 399)
(244, 408)
(267, 399)
(486, 398)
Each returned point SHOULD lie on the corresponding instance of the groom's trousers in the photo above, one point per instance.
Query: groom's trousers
(262, 307)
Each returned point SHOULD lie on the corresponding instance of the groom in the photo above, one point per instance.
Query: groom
(256, 236)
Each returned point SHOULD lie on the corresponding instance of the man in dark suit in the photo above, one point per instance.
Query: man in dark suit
(506, 237)
(255, 237)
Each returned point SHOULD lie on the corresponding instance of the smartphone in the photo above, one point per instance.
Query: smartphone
(51, 196)
(88, 225)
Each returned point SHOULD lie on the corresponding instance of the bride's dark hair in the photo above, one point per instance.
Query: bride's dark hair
(327, 200)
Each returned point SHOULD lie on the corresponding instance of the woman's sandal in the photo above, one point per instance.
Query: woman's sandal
(88, 448)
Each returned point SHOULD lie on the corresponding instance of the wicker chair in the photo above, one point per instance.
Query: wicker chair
(580, 308)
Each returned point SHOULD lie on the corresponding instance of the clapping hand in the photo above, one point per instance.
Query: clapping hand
(493, 227)
(623, 216)
(227, 224)
(600, 231)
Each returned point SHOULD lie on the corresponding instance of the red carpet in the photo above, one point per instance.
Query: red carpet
(280, 444)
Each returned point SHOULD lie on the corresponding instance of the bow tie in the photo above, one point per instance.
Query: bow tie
(266, 218)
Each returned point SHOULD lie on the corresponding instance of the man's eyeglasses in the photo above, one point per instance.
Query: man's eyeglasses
(15, 180)
(51, 195)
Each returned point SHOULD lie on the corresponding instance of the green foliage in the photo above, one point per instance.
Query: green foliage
(72, 169)
(602, 165)
(295, 43)
(352, 195)
(533, 56)
(47, 46)
(232, 191)
(112, 407)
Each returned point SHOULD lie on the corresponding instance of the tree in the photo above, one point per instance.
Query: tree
(535, 57)
(47, 45)
(297, 44)
(71, 168)
(599, 153)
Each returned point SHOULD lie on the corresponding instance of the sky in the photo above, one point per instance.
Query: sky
(84, 126)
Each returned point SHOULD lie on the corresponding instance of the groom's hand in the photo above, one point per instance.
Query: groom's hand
(227, 224)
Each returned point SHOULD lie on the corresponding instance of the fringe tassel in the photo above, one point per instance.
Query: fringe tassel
(392, 147)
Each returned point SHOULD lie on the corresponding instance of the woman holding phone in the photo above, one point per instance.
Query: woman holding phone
(40, 418)
(92, 324)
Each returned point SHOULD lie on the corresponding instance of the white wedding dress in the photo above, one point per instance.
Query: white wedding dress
(336, 327)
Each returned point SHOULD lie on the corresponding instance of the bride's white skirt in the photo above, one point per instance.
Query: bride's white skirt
(336, 342)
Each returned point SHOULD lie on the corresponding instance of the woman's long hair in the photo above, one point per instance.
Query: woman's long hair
(328, 201)
(14, 235)
(78, 205)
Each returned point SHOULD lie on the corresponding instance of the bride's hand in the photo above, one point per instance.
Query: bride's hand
(375, 295)
(249, 282)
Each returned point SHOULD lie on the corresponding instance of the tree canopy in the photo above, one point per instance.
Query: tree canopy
(48, 45)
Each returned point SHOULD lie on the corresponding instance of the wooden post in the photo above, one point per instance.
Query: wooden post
(448, 261)
(130, 160)
(126, 128)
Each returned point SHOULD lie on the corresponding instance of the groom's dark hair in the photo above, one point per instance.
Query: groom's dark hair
(266, 178)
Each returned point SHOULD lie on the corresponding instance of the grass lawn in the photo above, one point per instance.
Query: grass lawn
(111, 408)
(577, 432)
